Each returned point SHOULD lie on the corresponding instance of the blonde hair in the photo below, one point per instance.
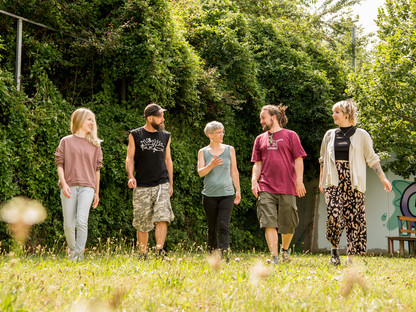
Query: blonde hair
(278, 111)
(349, 108)
(77, 119)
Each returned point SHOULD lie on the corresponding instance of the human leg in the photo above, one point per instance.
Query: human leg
(85, 199)
(271, 238)
(336, 200)
(267, 215)
(142, 239)
(335, 221)
(211, 212)
(356, 228)
(225, 207)
(288, 220)
(69, 210)
(142, 216)
(286, 239)
(161, 230)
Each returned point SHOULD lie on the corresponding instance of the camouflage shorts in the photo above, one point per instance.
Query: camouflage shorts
(151, 205)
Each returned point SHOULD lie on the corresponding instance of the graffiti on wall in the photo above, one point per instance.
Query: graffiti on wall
(404, 202)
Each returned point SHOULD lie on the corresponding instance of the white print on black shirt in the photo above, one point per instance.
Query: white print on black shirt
(152, 145)
(273, 146)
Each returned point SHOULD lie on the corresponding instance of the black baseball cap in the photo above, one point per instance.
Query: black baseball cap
(153, 110)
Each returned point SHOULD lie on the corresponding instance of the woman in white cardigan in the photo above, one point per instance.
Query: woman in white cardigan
(345, 151)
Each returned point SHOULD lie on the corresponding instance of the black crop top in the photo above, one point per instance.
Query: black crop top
(342, 142)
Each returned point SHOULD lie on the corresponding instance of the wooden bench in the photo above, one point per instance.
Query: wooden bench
(407, 227)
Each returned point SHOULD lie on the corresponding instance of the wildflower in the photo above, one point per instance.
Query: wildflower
(352, 276)
(259, 272)
(21, 213)
(215, 260)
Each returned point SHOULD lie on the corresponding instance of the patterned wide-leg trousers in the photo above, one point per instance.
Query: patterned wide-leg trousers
(346, 209)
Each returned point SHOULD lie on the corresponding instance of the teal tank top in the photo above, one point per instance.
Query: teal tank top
(218, 181)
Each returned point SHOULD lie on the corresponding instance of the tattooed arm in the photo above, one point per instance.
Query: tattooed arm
(379, 171)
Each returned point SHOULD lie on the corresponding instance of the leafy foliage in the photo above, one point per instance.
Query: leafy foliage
(202, 60)
(386, 90)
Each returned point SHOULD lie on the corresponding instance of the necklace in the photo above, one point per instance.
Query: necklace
(345, 133)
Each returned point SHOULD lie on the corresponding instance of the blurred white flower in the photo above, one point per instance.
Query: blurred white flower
(28, 211)
(352, 276)
(21, 213)
(259, 272)
(214, 260)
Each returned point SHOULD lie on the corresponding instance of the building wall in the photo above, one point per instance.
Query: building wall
(382, 209)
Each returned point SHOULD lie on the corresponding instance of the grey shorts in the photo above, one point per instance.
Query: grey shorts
(151, 205)
(277, 211)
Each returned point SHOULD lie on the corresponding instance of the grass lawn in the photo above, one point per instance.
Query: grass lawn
(190, 281)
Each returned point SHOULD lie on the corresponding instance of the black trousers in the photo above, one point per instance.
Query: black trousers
(218, 212)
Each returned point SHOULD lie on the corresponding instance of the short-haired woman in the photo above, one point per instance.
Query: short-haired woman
(79, 160)
(217, 163)
(345, 151)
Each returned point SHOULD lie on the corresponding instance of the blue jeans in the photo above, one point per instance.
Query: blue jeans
(76, 210)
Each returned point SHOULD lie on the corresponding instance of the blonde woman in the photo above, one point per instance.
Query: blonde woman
(79, 160)
(345, 151)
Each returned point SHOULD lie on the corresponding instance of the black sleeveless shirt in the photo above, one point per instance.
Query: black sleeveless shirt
(149, 157)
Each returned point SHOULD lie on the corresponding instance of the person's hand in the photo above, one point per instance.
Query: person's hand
(96, 200)
(300, 189)
(171, 191)
(66, 190)
(215, 161)
(237, 198)
(321, 189)
(132, 183)
(255, 188)
(387, 184)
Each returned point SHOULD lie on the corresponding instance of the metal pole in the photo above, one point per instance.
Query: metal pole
(19, 52)
(353, 48)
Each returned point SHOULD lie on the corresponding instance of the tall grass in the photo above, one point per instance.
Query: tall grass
(113, 279)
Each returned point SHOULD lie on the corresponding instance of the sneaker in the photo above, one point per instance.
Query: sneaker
(335, 257)
(348, 262)
(285, 254)
(143, 256)
(275, 260)
(161, 253)
(225, 256)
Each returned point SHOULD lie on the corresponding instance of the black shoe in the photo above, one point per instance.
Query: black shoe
(335, 257)
(142, 256)
(161, 253)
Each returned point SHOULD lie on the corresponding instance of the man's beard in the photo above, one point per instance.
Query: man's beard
(158, 127)
(267, 127)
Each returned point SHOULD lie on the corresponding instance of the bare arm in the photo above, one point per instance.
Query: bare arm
(65, 188)
(97, 189)
(300, 187)
(131, 149)
(169, 166)
(320, 179)
(235, 176)
(255, 187)
(379, 171)
(203, 169)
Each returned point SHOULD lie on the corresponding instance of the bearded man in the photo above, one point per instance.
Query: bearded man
(277, 179)
(150, 172)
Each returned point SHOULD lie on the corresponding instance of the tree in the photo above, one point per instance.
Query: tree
(386, 90)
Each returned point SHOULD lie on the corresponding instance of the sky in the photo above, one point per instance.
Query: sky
(367, 12)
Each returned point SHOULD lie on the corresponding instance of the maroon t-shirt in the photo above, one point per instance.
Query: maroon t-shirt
(278, 156)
